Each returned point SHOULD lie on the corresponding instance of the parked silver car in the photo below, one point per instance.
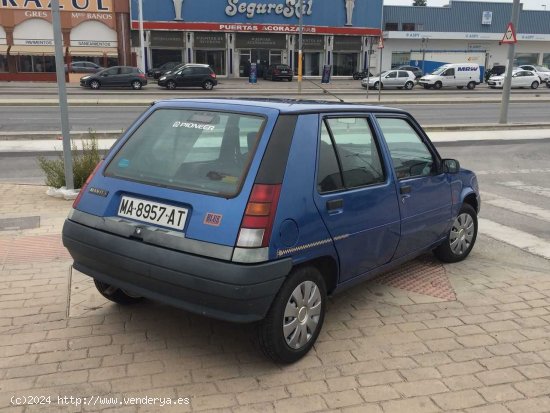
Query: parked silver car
(541, 71)
(400, 79)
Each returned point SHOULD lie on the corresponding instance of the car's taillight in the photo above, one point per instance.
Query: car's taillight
(84, 187)
(276, 71)
(212, 75)
(141, 75)
(258, 217)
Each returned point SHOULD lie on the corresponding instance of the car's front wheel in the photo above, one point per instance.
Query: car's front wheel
(461, 237)
(409, 85)
(136, 85)
(208, 85)
(295, 318)
(94, 84)
(534, 85)
(171, 85)
(116, 294)
(438, 85)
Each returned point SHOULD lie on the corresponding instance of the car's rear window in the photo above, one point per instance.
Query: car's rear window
(193, 150)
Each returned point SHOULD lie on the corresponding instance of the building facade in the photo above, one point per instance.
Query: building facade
(93, 30)
(462, 30)
(231, 34)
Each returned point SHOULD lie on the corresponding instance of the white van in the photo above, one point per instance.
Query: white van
(453, 74)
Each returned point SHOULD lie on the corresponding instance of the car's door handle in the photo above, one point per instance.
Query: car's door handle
(406, 189)
(334, 204)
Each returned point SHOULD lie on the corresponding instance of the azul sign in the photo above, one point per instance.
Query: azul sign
(288, 9)
(68, 5)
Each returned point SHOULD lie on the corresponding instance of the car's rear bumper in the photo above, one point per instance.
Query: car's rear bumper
(214, 288)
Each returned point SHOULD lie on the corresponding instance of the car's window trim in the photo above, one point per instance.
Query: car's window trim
(362, 115)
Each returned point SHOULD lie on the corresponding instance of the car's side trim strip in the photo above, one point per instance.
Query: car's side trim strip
(310, 245)
(150, 234)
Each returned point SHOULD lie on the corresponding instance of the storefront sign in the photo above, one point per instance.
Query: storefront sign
(347, 43)
(487, 17)
(33, 42)
(92, 43)
(209, 40)
(92, 6)
(166, 39)
(461, 36)
(260, 41)
(287, 8)
(312, 43)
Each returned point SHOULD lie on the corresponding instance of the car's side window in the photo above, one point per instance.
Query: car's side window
(410, 155)
(392, 75)
(356, 150)
(403, 74)
(113, 71)
(328, 173)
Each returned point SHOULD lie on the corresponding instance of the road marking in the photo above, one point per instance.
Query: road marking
(537, 190)
(516, 206)
(513, 171)
(511, 236)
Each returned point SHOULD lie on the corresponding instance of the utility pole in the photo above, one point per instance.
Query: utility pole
(141, 40)
(508, 79)
(64, 111)
(300, 45)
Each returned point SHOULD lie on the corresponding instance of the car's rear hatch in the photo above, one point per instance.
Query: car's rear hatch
(181, 178)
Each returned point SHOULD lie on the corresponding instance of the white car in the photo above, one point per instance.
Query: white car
(520, 78)
(542, 71)
(401, 79)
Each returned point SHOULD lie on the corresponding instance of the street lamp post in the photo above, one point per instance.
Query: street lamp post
(508, 79)
(141, 40)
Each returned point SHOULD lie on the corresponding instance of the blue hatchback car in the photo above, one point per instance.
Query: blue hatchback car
(256, 210)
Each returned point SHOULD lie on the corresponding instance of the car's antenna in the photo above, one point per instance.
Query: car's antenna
(325, 90)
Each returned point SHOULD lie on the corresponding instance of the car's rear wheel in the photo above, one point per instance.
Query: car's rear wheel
(208, 85)
(409, 85)
(427, 86)
(94, 84)
(471, 85)
(295, 318)
(171, 85)
(136, 85)
(461, 237)
(534, 85)
(116, 294)
(438, 85)
(290, 79)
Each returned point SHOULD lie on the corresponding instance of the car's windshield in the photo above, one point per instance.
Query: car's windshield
(439, 70)
(542, 69)
(189, 149)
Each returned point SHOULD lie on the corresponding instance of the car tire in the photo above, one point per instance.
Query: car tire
(461, 237)
(471, 85)
(427, 86)
(136, 85)
(376, 85)
(409, 85)
(116, 295)
(438, 85)
(95, 85)
(208, 85)
(171, 85)
(292, 325)
(290, 79)
(534, 85)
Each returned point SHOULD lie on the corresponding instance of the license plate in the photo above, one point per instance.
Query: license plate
(284, 72)
(152, 212)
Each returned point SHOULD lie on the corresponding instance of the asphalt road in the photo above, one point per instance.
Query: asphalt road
(100, 118)
(514, 181)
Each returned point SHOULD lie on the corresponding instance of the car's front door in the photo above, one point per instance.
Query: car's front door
(391, 79)
(183, 77)
(355, 194)
(449, 78)
(110, 77)
(424, 191)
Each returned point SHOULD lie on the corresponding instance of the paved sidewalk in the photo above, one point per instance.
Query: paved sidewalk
(470, 337)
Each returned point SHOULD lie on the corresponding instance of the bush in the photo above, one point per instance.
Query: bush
(84, 162)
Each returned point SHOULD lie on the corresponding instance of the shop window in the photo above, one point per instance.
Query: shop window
(214, 58)
(526, 59)
(408, 27)
(345, 64)
(311, 63)
(34, 63)
(392, 27)
(546, 59)
(162, 56)
(3, 63)
(400, 59)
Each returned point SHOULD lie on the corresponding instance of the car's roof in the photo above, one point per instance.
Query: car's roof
(284, 105)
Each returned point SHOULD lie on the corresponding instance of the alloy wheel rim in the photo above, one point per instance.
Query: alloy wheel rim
(302, 315)
(462, 234)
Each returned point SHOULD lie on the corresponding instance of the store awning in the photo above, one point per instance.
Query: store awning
(3, 48)
(92, 51)
(26, 49)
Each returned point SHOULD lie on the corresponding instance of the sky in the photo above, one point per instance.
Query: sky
(527, 4)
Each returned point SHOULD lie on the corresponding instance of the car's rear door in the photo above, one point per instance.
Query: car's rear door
(355, 194)
(424, 191)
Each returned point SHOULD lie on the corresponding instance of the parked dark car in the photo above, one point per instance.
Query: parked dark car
(157, 72)
(278, 72)
(116, 76)
(256, 210)
(189, 75)
(418, 73)
(361, 75)
(83, 67)
(496, 70)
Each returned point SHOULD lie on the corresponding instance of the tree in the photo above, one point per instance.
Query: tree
(419, 3)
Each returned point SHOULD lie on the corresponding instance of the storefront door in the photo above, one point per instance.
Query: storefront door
(262, 57)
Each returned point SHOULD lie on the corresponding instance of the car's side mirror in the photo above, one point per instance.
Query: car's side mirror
(451, 166)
